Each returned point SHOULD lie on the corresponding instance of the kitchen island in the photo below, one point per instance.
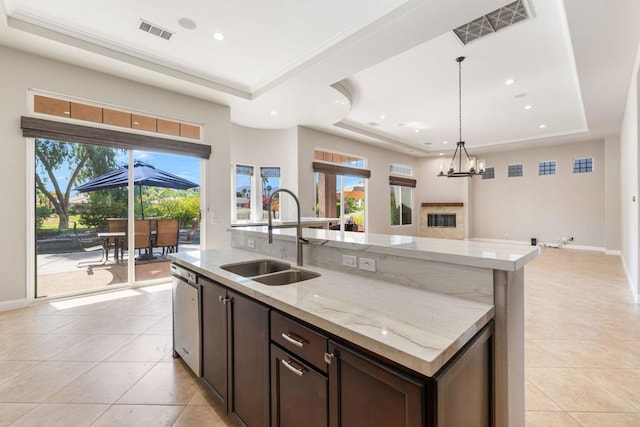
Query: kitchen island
(424, 302)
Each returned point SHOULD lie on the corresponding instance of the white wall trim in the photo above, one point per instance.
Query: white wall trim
(13, 304)
(617, 252)
(632, 287)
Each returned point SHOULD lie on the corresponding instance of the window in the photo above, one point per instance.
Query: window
(584, 165)
(244, 189)
(489, 173)
(401, 170)
(401, 198)
(270, 178)
(547, 168)
(515, 170)
(340, 188)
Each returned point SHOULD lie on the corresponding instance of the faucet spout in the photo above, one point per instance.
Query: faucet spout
(299, 239)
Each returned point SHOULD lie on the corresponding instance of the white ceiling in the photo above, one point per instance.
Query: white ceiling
(340, 66)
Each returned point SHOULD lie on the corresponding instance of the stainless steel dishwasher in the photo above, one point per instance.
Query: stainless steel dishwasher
(186, 317)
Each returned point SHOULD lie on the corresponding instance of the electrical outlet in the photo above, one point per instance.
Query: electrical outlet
(350, 260)
(367, 264)
(251, 243)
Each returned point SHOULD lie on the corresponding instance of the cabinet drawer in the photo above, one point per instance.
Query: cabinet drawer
(299, 340)
(299, 394)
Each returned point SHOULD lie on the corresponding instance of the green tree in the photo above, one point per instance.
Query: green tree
(82, 161)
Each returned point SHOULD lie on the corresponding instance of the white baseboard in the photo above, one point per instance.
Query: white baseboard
(613, 252)
(12, 304)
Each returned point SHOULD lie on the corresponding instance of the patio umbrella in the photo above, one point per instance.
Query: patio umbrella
(144, 174)
(354, 192)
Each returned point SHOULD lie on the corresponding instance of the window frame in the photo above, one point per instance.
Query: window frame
(588, 165)
(515, 165)
(547, 167)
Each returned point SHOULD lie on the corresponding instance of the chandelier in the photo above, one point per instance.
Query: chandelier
(470, 168)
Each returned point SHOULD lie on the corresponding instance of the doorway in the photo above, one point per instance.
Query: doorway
(96, 238)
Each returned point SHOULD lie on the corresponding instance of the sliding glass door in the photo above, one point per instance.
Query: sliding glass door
(88, 237)
(73, 255)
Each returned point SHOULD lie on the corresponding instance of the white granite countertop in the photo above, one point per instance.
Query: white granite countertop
(418, 329)
(498, 256)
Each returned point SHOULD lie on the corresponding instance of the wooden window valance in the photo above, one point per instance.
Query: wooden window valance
(402, 182)
(69, 132)
(334, 169)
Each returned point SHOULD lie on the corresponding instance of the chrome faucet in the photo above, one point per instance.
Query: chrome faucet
(299, 239)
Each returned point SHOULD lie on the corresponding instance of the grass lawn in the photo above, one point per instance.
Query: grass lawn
(51, 223)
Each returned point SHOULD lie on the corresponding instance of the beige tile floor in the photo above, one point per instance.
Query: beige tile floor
(102, 360)
(582, 342)
(105, 360)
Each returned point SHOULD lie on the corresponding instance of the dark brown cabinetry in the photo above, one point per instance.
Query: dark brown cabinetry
(235, 353)
(299, 383)
(269, 369)
(215, 342)
(298, 392)
(364, 392)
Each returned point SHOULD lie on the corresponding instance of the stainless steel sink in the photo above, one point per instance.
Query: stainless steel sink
(286, 277)
(256, 267)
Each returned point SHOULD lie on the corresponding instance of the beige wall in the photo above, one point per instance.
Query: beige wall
(20, 72)
(378, 161)
(613, 218)
(269, 147)
(629, 162)
(544, 207)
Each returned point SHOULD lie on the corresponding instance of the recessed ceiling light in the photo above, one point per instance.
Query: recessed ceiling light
(187, 23)
(136, 123)
(442, 154)
(274, 113)
(218, 36)
(445, 142)
(416, 130)
(528, 107)
(67, 112)
(509, 82)
(382, 117)
(542, 126)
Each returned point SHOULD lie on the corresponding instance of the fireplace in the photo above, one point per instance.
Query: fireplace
(442, 220)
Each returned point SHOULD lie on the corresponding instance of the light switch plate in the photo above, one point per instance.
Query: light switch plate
(350, 261)
(367, 264)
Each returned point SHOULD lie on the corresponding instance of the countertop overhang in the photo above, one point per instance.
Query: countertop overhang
(497, 256)
(418, 329)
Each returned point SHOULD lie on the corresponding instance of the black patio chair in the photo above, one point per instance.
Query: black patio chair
(90, 245)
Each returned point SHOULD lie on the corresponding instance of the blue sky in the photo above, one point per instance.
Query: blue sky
(185, 167)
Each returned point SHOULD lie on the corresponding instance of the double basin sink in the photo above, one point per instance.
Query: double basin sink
(269, 272)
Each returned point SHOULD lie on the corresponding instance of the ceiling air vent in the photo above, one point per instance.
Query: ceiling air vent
(150, 28)
(494, 21)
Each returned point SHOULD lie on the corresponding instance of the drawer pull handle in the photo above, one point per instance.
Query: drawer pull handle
(293, 340)
(292, 368)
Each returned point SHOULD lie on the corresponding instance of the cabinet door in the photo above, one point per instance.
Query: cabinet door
(250, 361)
(298, 393)
(214, 339)
(365, 393)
